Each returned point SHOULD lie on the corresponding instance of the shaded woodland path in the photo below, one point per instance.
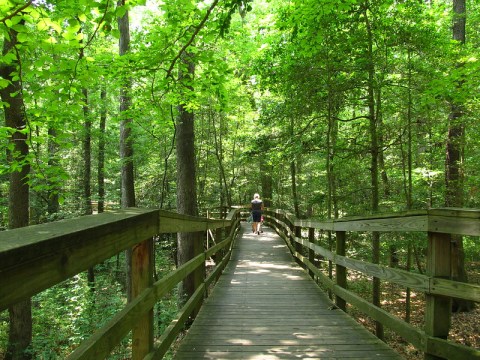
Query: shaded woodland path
(265, 306)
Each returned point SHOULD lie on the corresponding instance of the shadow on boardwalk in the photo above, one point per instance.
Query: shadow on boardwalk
(266, 307)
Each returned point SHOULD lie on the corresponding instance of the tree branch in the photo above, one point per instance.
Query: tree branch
(190, 41)
(20, 9)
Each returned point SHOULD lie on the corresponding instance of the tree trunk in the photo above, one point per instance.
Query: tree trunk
(53, 205)
(87, 173)
(101, 152)
(188, 244)
(126, 141)
(267, 182)
(454, 176)
(225, 194)
(87, 157)
(374, 151)
(20, 330)
(293, 175)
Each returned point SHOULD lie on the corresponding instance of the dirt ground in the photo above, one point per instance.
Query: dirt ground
(465, 327)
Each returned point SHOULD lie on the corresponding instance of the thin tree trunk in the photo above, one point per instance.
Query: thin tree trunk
(53, 198)
(219, 155)
(454, 176)
(374, 151)
(87, 166)
(293, 175)
(332, 135)
(188, 244)
(101, 151)
(20, 329)
(409, 182)
(267, 182)
(126, 141)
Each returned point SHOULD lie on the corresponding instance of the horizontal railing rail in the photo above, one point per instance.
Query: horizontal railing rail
(37, 257)
(439, 224)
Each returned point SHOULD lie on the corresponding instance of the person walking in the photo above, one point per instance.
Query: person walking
(257, 208)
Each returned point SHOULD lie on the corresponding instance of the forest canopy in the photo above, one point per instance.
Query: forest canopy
(327, 108)
(284, 96)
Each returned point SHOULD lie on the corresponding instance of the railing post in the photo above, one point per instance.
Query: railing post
(311, 253)
(297, 232)
(142, 278)
(438, 308)
(199, 274)
(341, 271)
(219, 237)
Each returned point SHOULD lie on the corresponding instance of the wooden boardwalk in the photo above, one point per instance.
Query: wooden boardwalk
(264, 306)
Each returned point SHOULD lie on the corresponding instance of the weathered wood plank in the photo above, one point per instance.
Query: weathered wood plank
(171, 222)
(266, 305)
(37, 257)
(454, 225)
(101, 343)
(419, 282)
(385, 224)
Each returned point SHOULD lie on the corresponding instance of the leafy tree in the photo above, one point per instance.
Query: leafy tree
(11, 93)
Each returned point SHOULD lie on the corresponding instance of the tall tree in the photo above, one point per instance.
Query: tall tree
(101, 150)
(53, 196)
(374, 151)
(126, 141)
(20, 331)
(188, 244)
(454, 172)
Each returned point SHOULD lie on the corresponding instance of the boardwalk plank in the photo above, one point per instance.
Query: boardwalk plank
(265, 307)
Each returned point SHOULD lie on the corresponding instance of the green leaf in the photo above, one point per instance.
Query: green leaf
(4, 83)
(22, 37)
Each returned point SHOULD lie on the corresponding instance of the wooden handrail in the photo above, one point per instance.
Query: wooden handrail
(37, 257)
(439, 224)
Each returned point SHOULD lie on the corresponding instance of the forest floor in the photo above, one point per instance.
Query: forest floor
(465, 327)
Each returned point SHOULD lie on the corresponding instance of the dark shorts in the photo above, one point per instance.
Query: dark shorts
(256, 215)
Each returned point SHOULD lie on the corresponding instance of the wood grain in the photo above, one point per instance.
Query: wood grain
(265, 306)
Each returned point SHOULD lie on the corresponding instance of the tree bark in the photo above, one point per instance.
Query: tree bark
(218, 137)
(454, 176)
(20, 329)
(53, 205)
(374, 151)
(293, 175)
(101, 151)
(267, 182)
(126, 141)
(87, 156)
(188, 244)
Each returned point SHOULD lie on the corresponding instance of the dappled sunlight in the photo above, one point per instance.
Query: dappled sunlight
(266, 307)
(240, 342)
(263, 265)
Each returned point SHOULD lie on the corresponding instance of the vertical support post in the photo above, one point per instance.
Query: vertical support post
(311, 253)
(219, 236)
(341, 271)
(199, 273)
(297, 232)
(142, 278)
(438, 308)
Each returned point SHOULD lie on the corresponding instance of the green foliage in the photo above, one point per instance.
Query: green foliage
(70, 312)
(276, 83)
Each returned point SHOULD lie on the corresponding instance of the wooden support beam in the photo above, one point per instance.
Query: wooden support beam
(438, 308)
(311, 252)
(341, 271)
(142, 278)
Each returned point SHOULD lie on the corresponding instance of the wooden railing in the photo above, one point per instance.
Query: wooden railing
(438, 224)
(37, 257)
